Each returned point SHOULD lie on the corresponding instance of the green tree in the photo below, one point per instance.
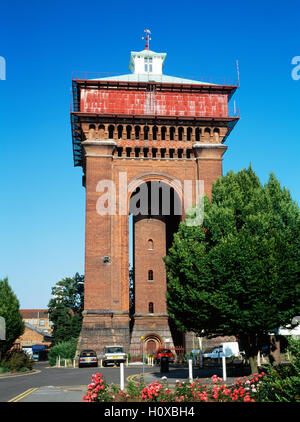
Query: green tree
(64, 349)
(282, 382)
(65, 308)
(238, 273)
(9, 310)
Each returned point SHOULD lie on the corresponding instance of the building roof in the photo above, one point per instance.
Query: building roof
(143, 76)
(149, 77)
(34, 313)
(44, 333)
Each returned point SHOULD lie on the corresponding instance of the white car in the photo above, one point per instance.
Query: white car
(227, 349)
(216, 353)
(113, 354)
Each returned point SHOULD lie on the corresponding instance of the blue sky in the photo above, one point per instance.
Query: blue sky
(42, 200)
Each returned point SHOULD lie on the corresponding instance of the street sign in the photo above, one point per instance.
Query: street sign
(2, 329)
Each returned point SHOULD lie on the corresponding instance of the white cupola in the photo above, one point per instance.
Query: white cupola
(147, 61)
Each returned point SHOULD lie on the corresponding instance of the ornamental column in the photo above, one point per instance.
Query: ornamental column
(209, 163)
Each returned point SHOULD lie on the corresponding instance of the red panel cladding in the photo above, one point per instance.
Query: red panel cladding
(160, 103)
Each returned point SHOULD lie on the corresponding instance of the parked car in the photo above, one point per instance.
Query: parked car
(163, 353)
(87, 358)
(35, 357)
(226, 349)
(216, 353)
(113, 354)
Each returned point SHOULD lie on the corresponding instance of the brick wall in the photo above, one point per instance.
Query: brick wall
(146, 259)
(161, 103)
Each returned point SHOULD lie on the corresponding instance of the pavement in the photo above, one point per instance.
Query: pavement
(66, 394)
(76, 393)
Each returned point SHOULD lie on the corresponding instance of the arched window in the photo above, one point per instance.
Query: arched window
(92, 131)
(120, 131)
(154, 132)
(163, 133)
(150, 244)
(189, 134)
(146, 131)
(111, 131)
(207, 132)
(101, 131)
(150, 275)
(180, 133)
(198, 133)
(128, 132)
(216, 135)
(137, 132)
(151, 308)
(172, 133)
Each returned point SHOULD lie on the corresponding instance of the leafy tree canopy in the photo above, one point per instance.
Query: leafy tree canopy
(65, 308)
(9, 310)
(238, 273)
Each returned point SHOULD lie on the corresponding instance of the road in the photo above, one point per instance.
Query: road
(43, 383)
(13, 385)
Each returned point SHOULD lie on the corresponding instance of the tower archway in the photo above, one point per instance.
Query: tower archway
(152, 343)
(156, 210)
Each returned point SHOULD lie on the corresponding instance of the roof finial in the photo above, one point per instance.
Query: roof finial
(147, 38)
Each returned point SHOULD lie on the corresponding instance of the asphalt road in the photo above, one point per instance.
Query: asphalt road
(47, 383)
(14, 385)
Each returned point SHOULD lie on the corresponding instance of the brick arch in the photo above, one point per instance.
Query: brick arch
(152, 177)
(159, 177)
(155, 338)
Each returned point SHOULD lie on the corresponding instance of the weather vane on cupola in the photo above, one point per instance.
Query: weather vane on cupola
(147, 38)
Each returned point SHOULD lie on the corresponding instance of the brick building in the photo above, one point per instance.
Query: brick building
(37, 328)
(38, 318)
(141, 138)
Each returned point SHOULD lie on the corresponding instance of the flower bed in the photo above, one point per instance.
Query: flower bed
(243, 390)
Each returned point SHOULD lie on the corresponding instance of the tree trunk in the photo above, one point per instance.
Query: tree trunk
(253, 364)
(251, 345)
(274, 355)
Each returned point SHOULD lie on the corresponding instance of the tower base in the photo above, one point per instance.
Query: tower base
(101, 329)
(155, 330)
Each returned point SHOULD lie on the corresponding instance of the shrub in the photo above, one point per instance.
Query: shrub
(243, 390)
(282, 384)
(156, 392)
(134, 389)
(17, 361)
(64, 349)
(98, 390)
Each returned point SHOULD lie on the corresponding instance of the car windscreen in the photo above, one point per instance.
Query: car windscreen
(114, 350)
(88, 354)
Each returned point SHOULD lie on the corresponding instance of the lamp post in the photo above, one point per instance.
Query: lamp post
(143, 340)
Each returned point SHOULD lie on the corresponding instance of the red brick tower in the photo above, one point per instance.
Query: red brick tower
(129, 131)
